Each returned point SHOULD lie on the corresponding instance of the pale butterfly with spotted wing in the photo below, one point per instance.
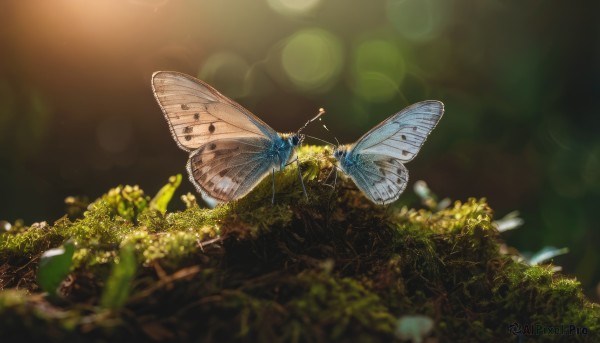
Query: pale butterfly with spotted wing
(231, 150)
(376, 161)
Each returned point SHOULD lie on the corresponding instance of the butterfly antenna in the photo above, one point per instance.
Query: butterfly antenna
(319, 139)
(333, 169)
(299, 175)
(321, 112)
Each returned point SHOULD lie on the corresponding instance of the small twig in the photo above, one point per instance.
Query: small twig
(201, 244)
(180, 274)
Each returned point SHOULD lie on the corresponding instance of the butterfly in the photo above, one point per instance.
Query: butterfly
(376, 161)
(231, 150)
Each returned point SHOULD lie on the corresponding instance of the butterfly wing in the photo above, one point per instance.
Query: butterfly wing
(402, 135)
(228, 169)
(198, 114)
(375, 161)
(381, 178)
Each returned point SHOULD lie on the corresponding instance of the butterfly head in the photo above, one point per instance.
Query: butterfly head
(340, 152)
(295, 139)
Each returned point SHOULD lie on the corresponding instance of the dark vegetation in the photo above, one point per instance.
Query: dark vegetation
(331, 268)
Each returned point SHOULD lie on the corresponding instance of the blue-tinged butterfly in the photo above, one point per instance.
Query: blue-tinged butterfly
(376, 161)
(231, 150)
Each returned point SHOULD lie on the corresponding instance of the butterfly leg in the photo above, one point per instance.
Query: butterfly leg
(273, 197)
(334, 176)
(333, 170)
(327, 178)
(301, 181)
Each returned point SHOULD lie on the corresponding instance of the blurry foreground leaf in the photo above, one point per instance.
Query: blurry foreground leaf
(165, 194)
(546, 254)
(118, 285)
(542, 256)
(428, 198)
(55, 265)
(510, 221)
(413, 328)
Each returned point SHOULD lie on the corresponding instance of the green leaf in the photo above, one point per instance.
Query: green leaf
(165, 194)
(55, 265)
(118, 285)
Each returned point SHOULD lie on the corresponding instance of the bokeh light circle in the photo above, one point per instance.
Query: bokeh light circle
(227, 72)
(378, 70)
(312, 59)
(418, 20)
(293, 6)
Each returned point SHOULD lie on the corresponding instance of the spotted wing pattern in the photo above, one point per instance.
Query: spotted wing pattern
(227, 169)
(381, 178)
(402, 135)
(198, 114)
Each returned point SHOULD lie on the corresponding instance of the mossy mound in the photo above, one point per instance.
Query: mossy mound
(331, 268)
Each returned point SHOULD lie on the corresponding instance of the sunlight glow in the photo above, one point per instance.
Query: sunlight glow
(312, 59)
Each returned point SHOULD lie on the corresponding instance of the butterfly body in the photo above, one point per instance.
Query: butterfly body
(376, 161)
(231, 150)
(283, 148)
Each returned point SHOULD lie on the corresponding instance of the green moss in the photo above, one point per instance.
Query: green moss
(333, 267)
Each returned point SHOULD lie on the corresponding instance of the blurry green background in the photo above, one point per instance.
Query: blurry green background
(519, 79)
